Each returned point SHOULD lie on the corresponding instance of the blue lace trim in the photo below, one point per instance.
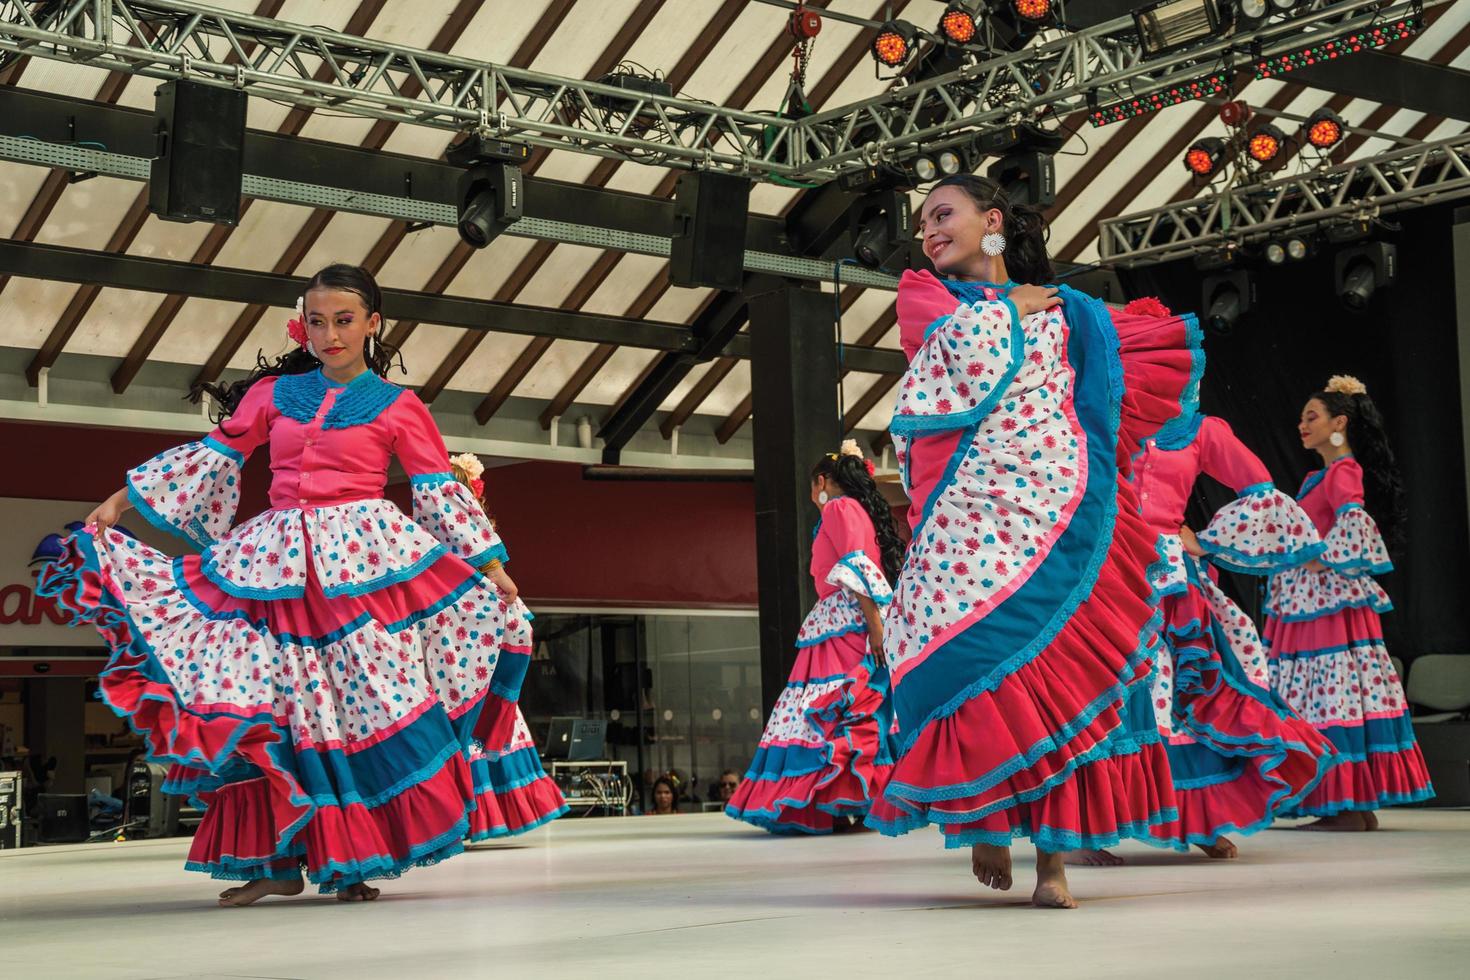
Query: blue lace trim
(1245, 563)
(211, 571)
(1182, 434)
(190, 533)
(1181, 430)
(1264, 487)
(223, 450)
(387, 578)
(1315, 477)
(502, 830)
(841, 631)
(873, 592)
(431, 479)
(363, 399)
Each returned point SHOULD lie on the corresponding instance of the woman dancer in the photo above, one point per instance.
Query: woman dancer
(317, 674)
(1237, 754)
(1023, 613)
(1325, 640)
(513, 794)
(824, 754)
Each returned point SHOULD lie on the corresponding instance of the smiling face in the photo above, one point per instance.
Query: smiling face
(951, 225)
(338, 325)
(1317, 425)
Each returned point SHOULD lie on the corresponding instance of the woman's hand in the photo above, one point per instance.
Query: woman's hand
(875, 646)
(1033, 299)
(1315, 566)
(1191, 542)
(110, 511)
(504, 584)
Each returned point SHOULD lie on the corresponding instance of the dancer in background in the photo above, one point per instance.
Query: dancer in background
(1023, 613)
(1327, 657)
(825, 753)
(513, 794)
(316, 675)
(1238, 755)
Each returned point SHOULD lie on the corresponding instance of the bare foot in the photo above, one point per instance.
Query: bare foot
(1092, 858)
(1051, 883)
(358, 893)
(992, 866)
(1371, 819)
(1344, 823)
(1223, 849)
(258, 889)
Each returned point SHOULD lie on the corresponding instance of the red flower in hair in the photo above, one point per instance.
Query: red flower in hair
(872, 470)
(296, 328)
(1147, 306)
(477, 487)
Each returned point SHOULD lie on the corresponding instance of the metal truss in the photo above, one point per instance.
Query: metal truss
(1353, 192)
(328, 70)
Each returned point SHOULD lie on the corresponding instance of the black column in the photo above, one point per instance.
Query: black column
(793, 370)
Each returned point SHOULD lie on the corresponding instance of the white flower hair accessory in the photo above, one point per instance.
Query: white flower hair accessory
(1346, 384)
(850, 448)
(470, 464)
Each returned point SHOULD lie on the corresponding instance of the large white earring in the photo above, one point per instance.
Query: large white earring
(822, 499)
(1337, 439)
(993, 243)
(311, 349)
(368, 347)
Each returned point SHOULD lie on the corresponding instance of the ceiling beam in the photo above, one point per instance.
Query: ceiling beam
(1408, 83)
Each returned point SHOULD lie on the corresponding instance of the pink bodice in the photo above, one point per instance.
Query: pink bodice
(1164, 478)
(845, 528)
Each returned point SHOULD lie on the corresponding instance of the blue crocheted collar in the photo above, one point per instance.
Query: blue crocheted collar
(1315, 478)
(971, 290)
(359, 401)
(1180, 431)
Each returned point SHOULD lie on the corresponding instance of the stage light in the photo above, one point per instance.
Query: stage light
(925, 169)
(1325, 129)
(1169, 25)
(950, 163)
(1203, 159)
(1282, 6)
(957, 24)
(1253, 12)
(1225, 298)
(882, 226)
(1362, 270)
(1275, 253)
(1266, 142)
(894, 43)
(1364, 40)
(1297, 249)
(1034, 11)
(1027, 177)
(490, 189)
(1201, 88)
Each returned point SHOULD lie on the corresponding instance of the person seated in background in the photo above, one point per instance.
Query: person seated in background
(726, 787)
(665, 797)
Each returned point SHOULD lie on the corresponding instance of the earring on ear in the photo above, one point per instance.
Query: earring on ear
(822, 499)
(311, 349)
(368, 349)
(1337, 439)
(993, 244)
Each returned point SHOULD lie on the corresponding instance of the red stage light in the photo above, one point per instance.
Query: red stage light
(1325, 129)
(1266, 143)
(894, 43)
(1203, 158)
(1034, 10)
(957, 25)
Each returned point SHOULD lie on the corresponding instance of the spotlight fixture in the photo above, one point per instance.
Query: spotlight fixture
(1265, 143)
(1325, 129)
(1169, 25)
(1034, 11)
(1253, 12)
(490, 189)
(1027, 176)
(1363, 40)
(1298, 248)
(1200, 88)
(957, 24)
(925, 169)
(881, 226)
(1225, 298)
(894, 43)
(1362, 269)
(1275, 253)
(1204, 158)
(950, 163)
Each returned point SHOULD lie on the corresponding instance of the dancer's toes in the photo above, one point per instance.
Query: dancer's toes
(1370, 820)
(359, 892)
(258, 889)
(991, 865)
(1342, 823)
(1223, 849)
(1091, 858)
(1053, 894)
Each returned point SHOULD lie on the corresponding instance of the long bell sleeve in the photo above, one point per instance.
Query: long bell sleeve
(1353, 547)
(1263, 530)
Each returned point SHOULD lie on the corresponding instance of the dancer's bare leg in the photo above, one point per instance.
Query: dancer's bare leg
(1092, 858)
(1223, 849)
(991, 865)
(1051, 883)
(253, 892)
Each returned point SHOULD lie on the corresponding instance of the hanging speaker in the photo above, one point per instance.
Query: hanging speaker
(195, 174)
(710, 212)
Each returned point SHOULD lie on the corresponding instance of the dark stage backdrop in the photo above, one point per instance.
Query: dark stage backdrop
(1404, 348)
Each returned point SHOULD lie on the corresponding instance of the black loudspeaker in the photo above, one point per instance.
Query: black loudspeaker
(63, 818)
(710, 212)
(201, 146)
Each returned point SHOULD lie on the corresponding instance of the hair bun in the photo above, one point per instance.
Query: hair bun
(850, 447)
(1345, 384)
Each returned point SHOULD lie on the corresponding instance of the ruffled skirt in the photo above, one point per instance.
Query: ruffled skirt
(826, 750)
(1336, 673)
(513, 794)
(340, 734)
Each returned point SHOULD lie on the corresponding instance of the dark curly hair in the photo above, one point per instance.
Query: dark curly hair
(348, 278)
(1024, 226)
(850, 473)
(1383, 489)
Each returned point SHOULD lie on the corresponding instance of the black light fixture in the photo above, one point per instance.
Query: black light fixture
(1225, 298)
(1265, 143)
(1169, 25)
(957, 24)
(1252, 13)
(1361, 270)
(1028, 176)
(894, 43)
(882, 225)
(1205, 157)
(1325, 129)
(491, 197)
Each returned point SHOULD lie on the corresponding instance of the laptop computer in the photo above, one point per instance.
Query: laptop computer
(589, 739)
(559, 738)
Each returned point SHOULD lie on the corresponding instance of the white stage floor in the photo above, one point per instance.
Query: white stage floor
(700, 895)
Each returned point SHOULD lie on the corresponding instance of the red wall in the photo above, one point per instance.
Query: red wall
(572, 541)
